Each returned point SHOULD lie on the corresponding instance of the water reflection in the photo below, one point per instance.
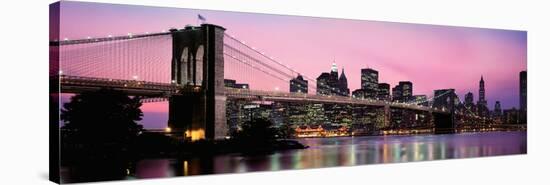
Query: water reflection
(342, 151)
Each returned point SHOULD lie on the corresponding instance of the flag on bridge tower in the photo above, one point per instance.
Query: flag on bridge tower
(201, 18)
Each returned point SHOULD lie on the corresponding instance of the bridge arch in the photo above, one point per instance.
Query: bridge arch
(185, 74)
(199, 62)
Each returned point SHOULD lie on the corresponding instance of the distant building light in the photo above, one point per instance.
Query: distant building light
(168, 129)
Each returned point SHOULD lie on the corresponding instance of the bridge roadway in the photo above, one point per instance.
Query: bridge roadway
(76, 84)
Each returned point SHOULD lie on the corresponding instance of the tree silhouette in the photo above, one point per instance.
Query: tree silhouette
(103, 119)
(257, 132)
(286, 131)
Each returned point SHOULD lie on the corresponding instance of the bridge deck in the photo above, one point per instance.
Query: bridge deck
(74, 84)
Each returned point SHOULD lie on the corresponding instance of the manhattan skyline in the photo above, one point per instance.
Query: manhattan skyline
(430, 56)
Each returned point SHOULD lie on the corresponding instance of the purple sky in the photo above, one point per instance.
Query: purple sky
(432, 57)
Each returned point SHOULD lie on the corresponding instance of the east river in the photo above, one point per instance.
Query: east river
(340, 151)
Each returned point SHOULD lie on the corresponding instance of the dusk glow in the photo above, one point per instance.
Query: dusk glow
(432, 57)
(150, 92)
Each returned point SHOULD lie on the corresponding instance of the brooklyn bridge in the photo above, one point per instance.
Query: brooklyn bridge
(188, 68)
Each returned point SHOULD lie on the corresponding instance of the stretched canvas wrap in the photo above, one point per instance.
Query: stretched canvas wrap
(141, 92)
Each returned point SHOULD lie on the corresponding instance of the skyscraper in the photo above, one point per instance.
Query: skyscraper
(323, 86)
(469, 102)
(331, 84)
(298, 84)
(469, 99)
(334, 74)
(403, 92)
(407, 90)
(482, 109)
(233, 84)
(523, 90)
(384, 91)
(343, 83)
(369, 82)
(358, 93)
(397, 93)
(497, 112)
(523, 97)
(482, 100)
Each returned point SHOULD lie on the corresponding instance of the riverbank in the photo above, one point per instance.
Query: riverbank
(432, 131)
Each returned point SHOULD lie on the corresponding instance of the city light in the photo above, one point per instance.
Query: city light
(168, 129)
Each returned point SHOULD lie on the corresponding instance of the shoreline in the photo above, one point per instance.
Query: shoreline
(417, 134)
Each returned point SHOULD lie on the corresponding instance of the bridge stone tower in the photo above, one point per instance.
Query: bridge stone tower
(445, 123)
(198, 112)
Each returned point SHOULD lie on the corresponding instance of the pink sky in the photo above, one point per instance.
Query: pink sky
(432, 57)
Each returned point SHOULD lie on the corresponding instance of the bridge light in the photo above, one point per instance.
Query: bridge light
(168, 129)
(88, 37)
(66, 39)
(129, 34)
(135, 77)
(60, 72)
(110, 36)
(146, 32)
